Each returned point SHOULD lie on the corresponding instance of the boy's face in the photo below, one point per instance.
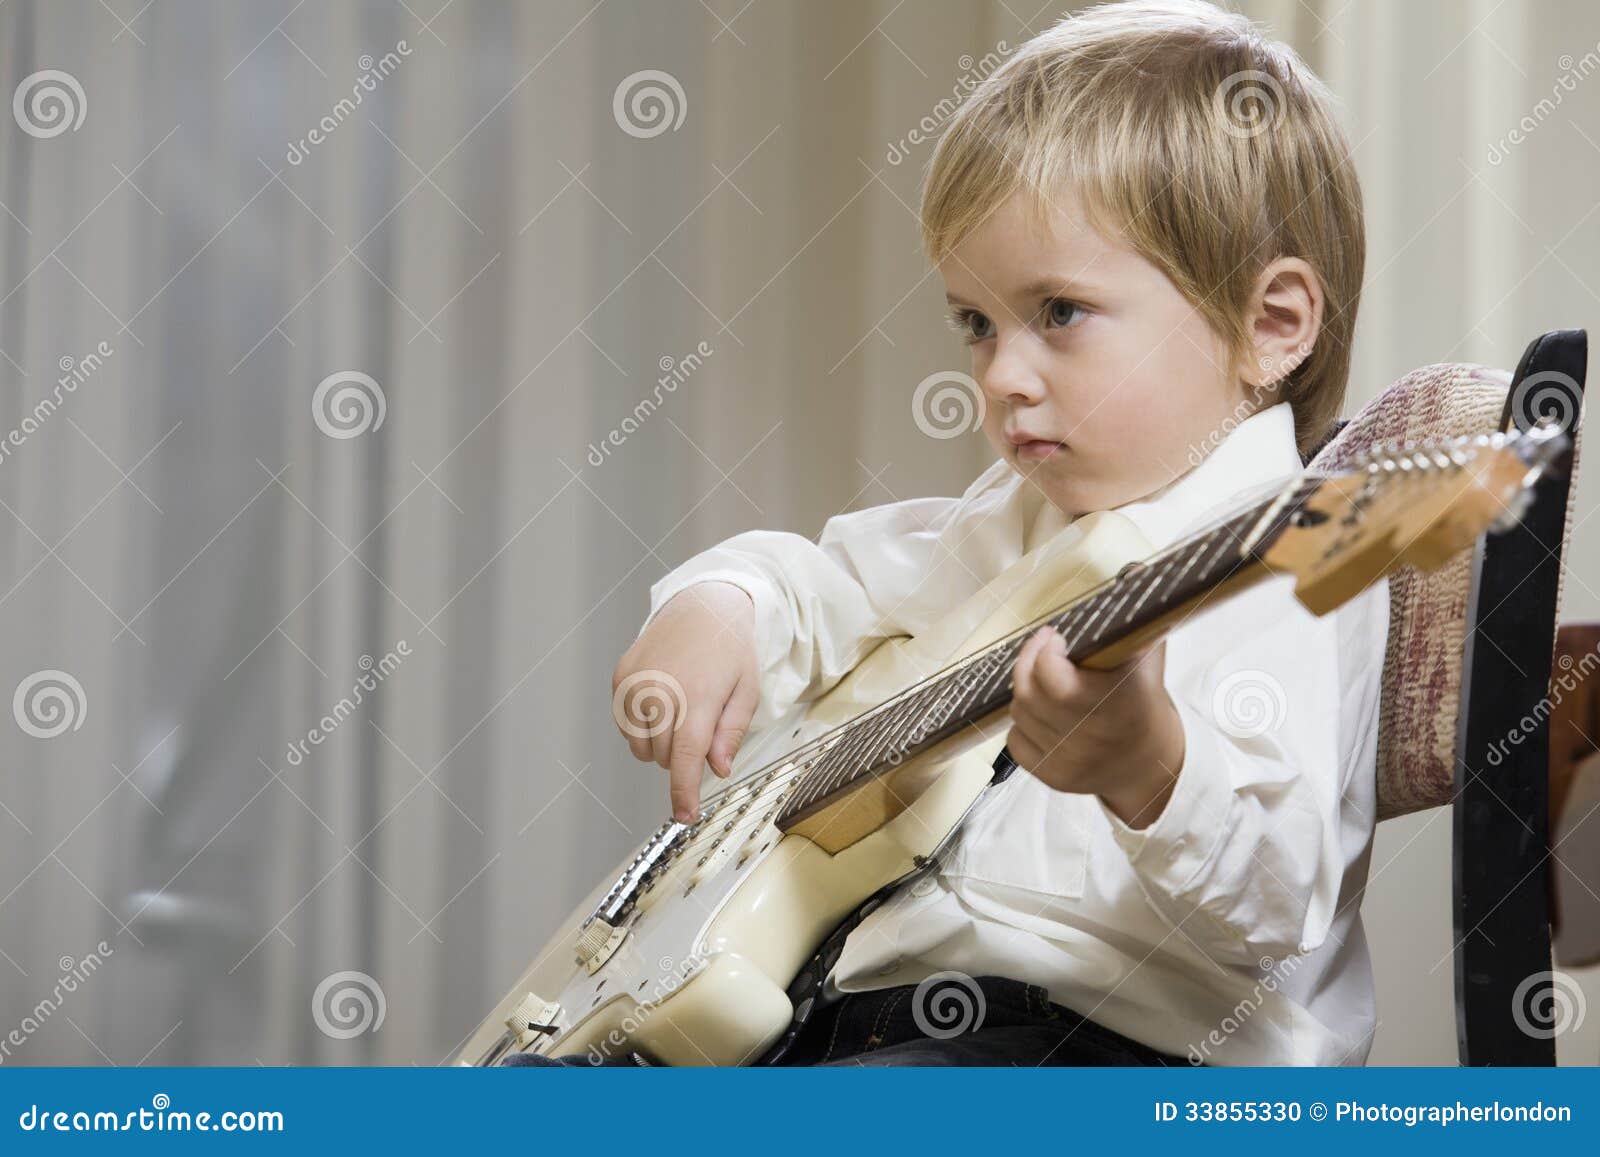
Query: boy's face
(1085, 347)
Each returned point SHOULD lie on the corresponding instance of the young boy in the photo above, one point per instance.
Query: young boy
(1151, 238)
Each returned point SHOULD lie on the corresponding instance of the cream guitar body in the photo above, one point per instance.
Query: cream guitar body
(698, 974)
(687, 956)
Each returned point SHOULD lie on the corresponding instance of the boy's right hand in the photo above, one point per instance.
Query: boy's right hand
(684, 693)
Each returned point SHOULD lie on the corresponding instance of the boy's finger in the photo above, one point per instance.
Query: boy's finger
(1056, 679)
(1022, 670)
(689, 745)
(733, 726)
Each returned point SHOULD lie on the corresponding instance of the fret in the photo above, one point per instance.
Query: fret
(1178, 577)
(894, 727)
(1126, 588)
(1077, 629)
(996, 662)
(1099, 608)
(1224, 541)
(1156, 580)
(993, 662)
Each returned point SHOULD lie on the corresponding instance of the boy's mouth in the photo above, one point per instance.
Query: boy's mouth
(1037, 448)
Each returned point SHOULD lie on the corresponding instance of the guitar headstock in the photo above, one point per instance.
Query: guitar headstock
(1404, 504)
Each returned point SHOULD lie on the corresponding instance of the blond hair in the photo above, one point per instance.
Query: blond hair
(1207, 148)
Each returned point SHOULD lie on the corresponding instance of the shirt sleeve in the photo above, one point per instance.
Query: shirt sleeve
(870, 575)
(1276, 796)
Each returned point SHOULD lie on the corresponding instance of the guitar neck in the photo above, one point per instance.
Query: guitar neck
(1100, 628)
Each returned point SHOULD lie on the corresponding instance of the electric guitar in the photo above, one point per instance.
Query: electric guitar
(690, 954)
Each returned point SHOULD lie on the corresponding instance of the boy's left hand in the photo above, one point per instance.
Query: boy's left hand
(1113, 733)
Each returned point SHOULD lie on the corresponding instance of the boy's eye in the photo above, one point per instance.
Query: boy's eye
(1061, 313)
(972, 325)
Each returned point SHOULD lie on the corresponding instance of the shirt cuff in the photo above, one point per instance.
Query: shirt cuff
(1182, 840)
(761, 592)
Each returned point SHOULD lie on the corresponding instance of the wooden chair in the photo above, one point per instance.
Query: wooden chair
(1575, 796)
(1464, 718)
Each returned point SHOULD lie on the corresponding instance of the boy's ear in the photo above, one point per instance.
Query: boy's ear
(1284, 320)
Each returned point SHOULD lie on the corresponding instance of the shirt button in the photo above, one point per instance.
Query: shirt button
(891, 966)
(923, 887)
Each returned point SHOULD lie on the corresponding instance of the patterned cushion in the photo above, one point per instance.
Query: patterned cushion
(1427, 610)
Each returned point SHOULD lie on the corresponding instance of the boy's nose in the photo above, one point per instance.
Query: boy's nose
(1010, 377)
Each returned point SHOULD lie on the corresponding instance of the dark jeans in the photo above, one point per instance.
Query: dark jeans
(988, 1021)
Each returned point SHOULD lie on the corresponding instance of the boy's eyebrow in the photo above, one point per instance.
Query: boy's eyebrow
(1047, 285)
(1040, 287)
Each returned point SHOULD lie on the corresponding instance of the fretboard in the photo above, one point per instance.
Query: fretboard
(941, 705)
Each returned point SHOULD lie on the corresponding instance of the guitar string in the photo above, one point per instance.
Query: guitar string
(802, 759)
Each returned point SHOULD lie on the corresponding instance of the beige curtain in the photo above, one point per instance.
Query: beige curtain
(517, 265)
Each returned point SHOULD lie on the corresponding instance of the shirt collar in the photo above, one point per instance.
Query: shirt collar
(1256, 453)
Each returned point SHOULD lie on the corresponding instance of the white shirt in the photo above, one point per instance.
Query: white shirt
(1229, 929)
